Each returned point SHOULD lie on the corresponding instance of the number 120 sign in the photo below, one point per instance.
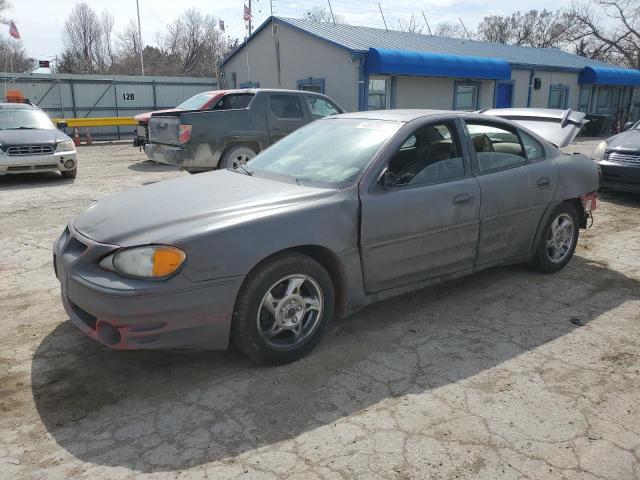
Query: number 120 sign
(128, 96)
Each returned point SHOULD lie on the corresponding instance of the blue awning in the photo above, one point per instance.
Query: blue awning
(425, 64)
(609, 76)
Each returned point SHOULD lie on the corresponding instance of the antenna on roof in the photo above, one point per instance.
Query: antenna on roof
(383, 20)
(427, 22)
(331, 10)
(465, 29)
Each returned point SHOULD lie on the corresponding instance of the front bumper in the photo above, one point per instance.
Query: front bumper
(15, 164)
(624, 177)
(134, 314)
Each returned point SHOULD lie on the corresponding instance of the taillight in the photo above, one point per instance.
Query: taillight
(185, 133)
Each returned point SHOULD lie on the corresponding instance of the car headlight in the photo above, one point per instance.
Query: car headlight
(599, 152)
(66, 146)
(151, 261)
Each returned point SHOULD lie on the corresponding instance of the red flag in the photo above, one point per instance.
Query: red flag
(222, 25)
(13, 31)
(247, 13)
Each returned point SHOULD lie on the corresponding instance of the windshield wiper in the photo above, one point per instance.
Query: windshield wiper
(245, 169)
(20, 128)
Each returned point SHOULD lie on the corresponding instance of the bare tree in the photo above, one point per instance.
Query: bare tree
(410, 25)
(611, 27)
(16, 56)
(451, 30)
(321, 15)
(495, 28)
(87, 40)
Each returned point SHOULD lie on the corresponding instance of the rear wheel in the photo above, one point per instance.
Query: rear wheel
(558, 240)
(283, 309)
(70, 173)
(236, 156)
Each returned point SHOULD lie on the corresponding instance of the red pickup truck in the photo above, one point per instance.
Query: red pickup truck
(200, 101)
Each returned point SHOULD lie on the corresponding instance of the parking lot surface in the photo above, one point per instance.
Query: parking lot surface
(506, 374)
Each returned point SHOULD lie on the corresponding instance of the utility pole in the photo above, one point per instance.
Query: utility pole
(331, 10)
(427, 22)
(383, 20)
(140, 37)
(464, 28)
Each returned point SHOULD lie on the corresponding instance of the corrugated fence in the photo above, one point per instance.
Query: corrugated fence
(82, 96)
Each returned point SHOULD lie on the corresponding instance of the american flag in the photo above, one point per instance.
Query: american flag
(13, 31)
(247, 13)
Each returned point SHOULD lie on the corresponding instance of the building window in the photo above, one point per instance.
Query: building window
(603, 104)
(379, 97)
(250, 85)
(585, 99)
(559, 96)
(466, 95)
(311, 85)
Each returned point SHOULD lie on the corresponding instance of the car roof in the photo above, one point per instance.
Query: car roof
(17, 106)
(399, 115)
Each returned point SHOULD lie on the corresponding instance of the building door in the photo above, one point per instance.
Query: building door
(504, 95)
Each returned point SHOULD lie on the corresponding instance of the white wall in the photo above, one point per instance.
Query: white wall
(540, 98)
(432, 92)
(301, 56)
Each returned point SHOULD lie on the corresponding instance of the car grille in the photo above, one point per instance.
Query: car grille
(30, 150)
(633, 158)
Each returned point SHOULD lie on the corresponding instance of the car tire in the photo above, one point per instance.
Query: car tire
(301, 298)
(70, 173)
(558, 240)
(236, 155)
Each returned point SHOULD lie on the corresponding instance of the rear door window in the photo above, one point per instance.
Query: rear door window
(496, 148)
(234, 101)
(286, 106)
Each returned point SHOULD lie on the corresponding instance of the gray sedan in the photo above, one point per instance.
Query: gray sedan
(619, 160)
(343, 212)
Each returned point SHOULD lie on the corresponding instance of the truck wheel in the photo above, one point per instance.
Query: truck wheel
(558, 241)
(283, 309)
(235, 156)
(70, 173)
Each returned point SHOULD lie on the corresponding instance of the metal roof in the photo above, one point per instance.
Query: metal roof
(360, 39)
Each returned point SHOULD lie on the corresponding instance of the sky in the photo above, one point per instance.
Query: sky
(40, 22)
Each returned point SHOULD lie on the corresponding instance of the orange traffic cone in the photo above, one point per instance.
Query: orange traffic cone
(88, 137)
(76, 137)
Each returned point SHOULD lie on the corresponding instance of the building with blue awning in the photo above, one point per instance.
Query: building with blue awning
(366, 68)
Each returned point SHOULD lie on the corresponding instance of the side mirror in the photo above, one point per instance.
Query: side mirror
(628, 125)
(61, 124)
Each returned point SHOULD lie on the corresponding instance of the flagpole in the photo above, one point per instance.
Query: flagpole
(140, 38)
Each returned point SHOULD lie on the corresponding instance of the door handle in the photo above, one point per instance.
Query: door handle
(462, 198)
(543, 182)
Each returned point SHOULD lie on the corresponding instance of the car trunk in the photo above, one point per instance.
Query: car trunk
(558, 127)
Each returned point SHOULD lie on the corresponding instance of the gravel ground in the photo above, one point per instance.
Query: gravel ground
(485, 377)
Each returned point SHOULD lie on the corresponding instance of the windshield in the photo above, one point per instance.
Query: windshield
(197, 101)
(27, 119)
(331, 152)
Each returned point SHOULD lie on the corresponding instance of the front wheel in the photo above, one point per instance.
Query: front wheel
(558, 240)
(283, 309)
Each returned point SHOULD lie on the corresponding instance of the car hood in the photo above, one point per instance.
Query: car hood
(31, 137)
(169, 209)
(144, 117)
(629, 140)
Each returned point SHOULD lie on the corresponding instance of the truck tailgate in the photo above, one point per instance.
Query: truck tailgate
(164, 129)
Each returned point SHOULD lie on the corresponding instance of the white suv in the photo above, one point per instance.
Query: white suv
(30, 143)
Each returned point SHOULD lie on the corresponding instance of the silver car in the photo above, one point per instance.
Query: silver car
(341, 213)
(31, 143)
